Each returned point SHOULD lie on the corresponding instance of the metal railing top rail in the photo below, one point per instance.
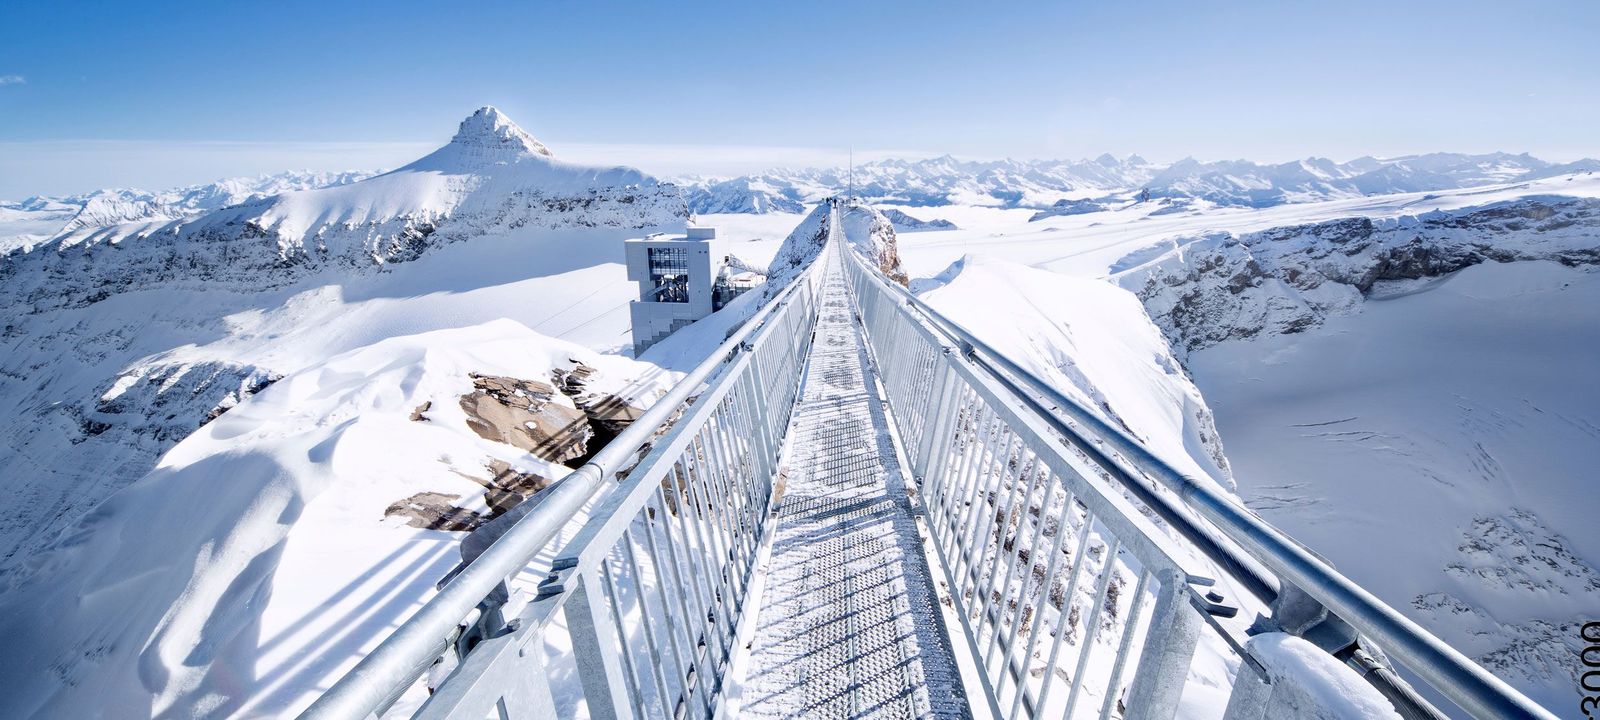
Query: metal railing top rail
(1451, 673)
(379, 678)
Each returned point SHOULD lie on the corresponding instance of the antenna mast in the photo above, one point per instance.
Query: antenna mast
(852, 191)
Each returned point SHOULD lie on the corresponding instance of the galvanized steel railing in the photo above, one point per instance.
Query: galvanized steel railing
(649, 590)
(1026, 495)
(1013, 478)
(1023, 528)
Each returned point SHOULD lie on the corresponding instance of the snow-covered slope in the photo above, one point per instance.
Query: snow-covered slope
(270, 550)
(1093, 340)
(1439, 447)
(1400, 382)
(1044, 183)
(117, 342)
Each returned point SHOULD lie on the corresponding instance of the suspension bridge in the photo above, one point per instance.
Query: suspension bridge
(857, 509)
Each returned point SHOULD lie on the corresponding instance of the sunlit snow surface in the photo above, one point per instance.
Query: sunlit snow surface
(282, 496)
(1438, 444)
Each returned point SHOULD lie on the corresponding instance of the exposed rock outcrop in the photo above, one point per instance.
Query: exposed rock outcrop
(1207, 289)
(527, 414)
(435, 511)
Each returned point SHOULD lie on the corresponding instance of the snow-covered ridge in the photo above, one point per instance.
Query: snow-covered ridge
(492, 176)
(1042, 183)
(1093, 341)
(866, 230)
(35, 220)
(1202, 290)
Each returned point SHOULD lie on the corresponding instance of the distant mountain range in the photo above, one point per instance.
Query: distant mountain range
(1050, 186)
(1044, 183)
(39, 218)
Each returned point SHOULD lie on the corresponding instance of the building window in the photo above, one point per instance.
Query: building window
(669, 273)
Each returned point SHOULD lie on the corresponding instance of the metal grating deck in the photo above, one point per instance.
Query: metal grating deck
(849, 627)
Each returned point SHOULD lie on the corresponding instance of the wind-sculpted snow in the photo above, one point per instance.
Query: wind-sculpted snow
(1220, 286)
(259, 560)
(1043, 184)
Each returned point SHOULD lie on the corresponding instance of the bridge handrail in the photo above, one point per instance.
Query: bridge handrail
(1263, 546)
(383, 675)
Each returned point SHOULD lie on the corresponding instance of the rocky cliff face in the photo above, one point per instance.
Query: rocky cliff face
(1211, 288)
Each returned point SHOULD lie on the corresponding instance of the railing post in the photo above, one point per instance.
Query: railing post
(596, 649)
(529, 697)
(1250, 694)
(1168, 649)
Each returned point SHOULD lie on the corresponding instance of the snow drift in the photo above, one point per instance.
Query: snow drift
(257, 560)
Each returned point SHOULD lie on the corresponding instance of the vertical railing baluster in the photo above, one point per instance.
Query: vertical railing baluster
(1062, 529)
(596, 648)
(1078, 562)
(1130, 627)
(1014, 555)
(974, 490)
(528, 695)
(646, 624)
(697, 618)
(1091, 629)
(1023, 596)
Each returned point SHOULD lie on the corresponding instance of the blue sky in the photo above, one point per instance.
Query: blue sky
(95, 94)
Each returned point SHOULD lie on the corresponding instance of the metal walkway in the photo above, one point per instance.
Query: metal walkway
(1079, 571)
(849, 627)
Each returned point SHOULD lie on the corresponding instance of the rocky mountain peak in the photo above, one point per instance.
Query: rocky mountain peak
(489, 128)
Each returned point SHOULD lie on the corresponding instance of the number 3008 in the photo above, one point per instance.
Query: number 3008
(1589, 682)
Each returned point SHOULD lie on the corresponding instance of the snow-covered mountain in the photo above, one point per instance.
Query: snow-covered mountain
(118, 341)
(1044, 183)
(37, 219)
(906, 223)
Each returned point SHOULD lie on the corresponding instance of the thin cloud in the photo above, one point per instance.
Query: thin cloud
(13, 80)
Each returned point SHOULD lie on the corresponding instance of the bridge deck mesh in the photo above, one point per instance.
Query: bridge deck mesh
(848, 627)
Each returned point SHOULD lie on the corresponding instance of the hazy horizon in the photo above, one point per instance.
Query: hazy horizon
(187, 93)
